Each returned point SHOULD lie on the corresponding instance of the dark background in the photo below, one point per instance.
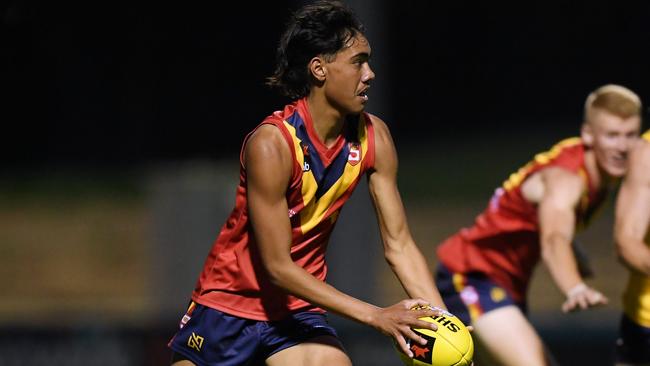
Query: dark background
(117, 118)
(112, 82)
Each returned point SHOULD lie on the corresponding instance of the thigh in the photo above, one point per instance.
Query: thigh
(304, 338)
(319, 351)
(180, 360)
(505, 337)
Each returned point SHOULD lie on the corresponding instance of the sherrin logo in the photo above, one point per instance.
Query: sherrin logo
(354, 157)
(423, 353)
(447, 321)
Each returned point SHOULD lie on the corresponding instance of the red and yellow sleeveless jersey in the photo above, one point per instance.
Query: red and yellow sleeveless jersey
(504, 242)
(636, 297)
(233, 278)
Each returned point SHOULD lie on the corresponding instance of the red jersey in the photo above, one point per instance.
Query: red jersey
(234, 279)
(504, 241)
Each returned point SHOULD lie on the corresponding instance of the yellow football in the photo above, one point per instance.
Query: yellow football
(450, 345)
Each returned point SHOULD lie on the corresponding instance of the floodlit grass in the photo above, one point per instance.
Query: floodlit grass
(71, 243)
(75, 241)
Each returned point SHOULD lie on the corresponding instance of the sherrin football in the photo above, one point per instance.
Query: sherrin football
(450, 345)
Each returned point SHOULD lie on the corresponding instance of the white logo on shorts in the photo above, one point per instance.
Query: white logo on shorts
(469, 295)
(186, 318)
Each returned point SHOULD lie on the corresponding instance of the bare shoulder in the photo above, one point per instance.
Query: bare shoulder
(380, 127)
(640, 159)
(641, 152)
(266, 139)
(563, 186)
(556, 173)
(385, 153)
(266, 144)
(551, 180)
(376, 121)
(383, 139)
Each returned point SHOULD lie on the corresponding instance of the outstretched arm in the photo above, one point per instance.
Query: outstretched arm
(633, 212)
(560, 192)
(268, 164)
(401, 252)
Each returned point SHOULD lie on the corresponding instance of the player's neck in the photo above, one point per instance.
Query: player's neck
(327, 121)
(599, 179)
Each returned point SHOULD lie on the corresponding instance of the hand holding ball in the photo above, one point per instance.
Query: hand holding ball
(450, 345)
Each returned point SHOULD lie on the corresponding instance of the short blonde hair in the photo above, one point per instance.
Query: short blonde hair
(615, 99)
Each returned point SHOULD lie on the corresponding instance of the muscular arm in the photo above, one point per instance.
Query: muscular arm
(268, 168)
(556, 214)
(560, 192)
(400, 250)
(268, 164)
(633, 212)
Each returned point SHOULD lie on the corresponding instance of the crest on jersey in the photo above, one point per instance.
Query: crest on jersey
(354, 157)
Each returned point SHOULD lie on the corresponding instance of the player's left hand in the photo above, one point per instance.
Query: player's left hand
(582, 297)
(399, 320)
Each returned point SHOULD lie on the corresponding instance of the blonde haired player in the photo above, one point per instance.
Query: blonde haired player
(484, 270)
(632, 241)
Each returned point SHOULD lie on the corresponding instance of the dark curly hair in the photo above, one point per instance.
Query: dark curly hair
(320, 28)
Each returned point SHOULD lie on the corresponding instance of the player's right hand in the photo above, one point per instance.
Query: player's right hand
(397, 321)
(582, 297)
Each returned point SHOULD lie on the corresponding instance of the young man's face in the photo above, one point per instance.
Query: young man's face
(349, 76)
(611, 137)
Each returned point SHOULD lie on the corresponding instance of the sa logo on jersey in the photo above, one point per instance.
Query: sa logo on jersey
(354, 157)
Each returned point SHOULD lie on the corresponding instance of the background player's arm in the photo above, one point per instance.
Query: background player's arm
(633, 212)
(560, 192)
(268, 163)
(400, 250)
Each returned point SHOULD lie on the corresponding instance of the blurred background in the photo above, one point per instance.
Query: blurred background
(122, 123)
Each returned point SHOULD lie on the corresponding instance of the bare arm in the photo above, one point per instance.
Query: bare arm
(633, 212)
(268, 164)
(401, 252)
(556, 213)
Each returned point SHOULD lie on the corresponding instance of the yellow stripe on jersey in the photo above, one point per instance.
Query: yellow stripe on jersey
(646, 135)
(518, 177)
(316, 208)
(296, 145)
(309, 185)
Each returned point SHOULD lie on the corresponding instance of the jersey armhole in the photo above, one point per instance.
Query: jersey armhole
(369, 162)
(287, 138)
